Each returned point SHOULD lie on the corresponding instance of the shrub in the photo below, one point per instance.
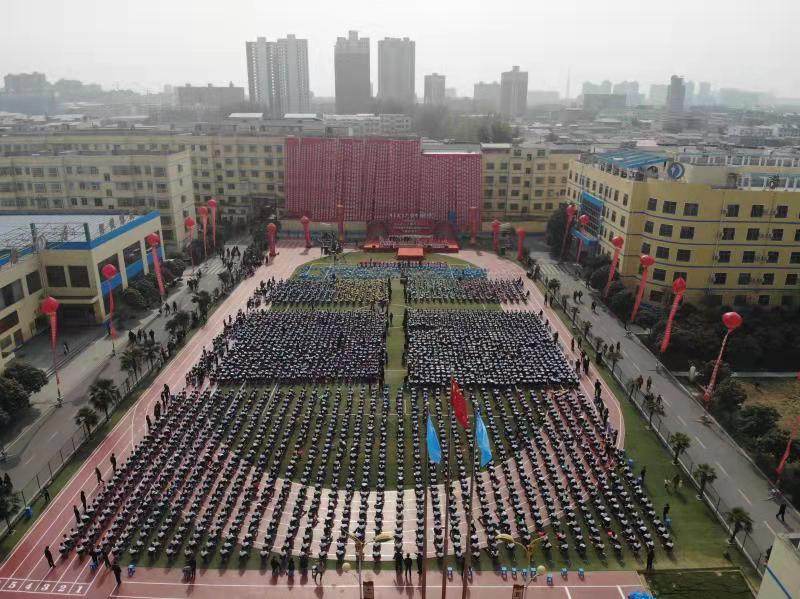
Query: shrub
(133, 298)
(32, 379)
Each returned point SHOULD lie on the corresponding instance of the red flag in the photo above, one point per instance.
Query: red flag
(788, 451)
(459, 403)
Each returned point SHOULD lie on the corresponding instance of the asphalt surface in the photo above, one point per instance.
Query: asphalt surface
(739, 482)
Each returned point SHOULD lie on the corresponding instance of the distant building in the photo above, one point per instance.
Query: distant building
(486, 96)
(450, 93)
(351, 68)
(513, 92)
(538, 97)
(598, 102)
(593, 88)
(277, 75)
(658, 94)
(434, 89)
(396, 70)
(629, 89)
(738, 98)
(673, 120)
(704, 97)
(211, 96)
(25, 83)
(362, 125)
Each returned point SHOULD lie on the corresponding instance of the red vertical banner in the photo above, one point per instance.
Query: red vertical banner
(496, 236)
(109, 271)
(212, 205)
(49, 307)
(154, 241)
(271, 233)
(732, 321)
(203, 211)
(520, 244)
(617, 242)
(646, 261)
(788, 451)
(678, 288)
(571, 212)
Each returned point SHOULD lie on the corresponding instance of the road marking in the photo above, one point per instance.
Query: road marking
(722, 469)
(769, 527)
(703, 445)
(53, 436)
(566, 590)
(28, 461)
(746, 498)
(682, 421)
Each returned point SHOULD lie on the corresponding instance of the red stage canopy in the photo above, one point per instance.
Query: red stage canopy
(415, 253)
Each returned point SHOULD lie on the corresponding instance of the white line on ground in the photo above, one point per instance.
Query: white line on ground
(769, 527)
(696, 438)
(53, 436)
(722, 469)
(682, 421)
(746, 498)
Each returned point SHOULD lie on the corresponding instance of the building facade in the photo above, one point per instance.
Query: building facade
(434, 89)
(731, 229)
(486, 97)
(61, 255)
(210, 96)
(277, 75)
(513, 92)
(135, 181)
(396, 70)
(525, 182)
(351, 70)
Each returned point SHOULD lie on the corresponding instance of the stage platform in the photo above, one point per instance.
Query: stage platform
(444, 246)
(411, 253)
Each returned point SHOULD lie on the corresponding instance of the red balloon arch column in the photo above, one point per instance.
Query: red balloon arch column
(617, 242)
(305, 221)
(49, 307)
(109, 271)
(646, 261)
(571, 211)
(583, 220)
(212, 205)
(473, 224)
(203, 212)
(678, 288)
(732, 321)
(340, 220)
(271, 231)
(496, 236)
(189, 224)
(520, 243)
(154, 241)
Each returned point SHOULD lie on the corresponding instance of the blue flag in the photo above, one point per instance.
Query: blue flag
(482, 437)
(434, 449)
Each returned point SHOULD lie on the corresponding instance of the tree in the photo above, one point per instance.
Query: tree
(755, 421)
(14, 398)
(621, 304)
(103, 394)
(9, 501)
(133, 298)
(652, 407)
(679, 442)
(203, 300)
(599, 277)
(705, 474)
(587, 326)
(178, 322)
(31, 378)
(726, 400)
(739, 520)
(554, 285)
(554, 233)
(225, 279)
(574, 311)
(613, 355)
(87, 418)
(704, 375)
(150, 351)
(131, 360)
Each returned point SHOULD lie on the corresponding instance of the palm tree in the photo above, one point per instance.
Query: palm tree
(87, 418)
(679, 442)
(178, 322)
(554, 285)
(739, 520)
(613, 356)
(103, 394)
(587, 326)
(130, 360)
(705, 473)
(225, 278)
(652, 407)
(203, 301)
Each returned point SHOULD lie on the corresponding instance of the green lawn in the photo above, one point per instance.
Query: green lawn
(690, 584)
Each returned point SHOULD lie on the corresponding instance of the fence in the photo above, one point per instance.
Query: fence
(711, 496)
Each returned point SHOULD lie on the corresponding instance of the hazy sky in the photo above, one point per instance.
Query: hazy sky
(147, 43)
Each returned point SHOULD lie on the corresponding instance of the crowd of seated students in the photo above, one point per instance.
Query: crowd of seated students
(315, 292)
(450, 290)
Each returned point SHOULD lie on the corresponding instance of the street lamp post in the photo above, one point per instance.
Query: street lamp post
(529, 549)
(381, 537)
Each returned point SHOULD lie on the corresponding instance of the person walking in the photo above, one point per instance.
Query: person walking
(419, 564)
(98, 475)
(315, 573)
(649, 383)
(597, 389)
(192, 563)
(95, 558)
(651, 554)
(113, 460)
(83, 500)
(408, 564)
(642, 474)
(77, 514)
(46, 495)
(117, 572)
(781, 515)
(104, 555)
(49, 556)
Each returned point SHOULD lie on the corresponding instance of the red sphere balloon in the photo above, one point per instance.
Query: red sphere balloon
(495, 225)
(189, 222)
(202, 211)
(617, 241)
(646, 260)
(584, 219)
(49, 305)
(732, 320)
(153, 240)
(212, 203)
(679, 285)
(305, 220)
(109, 271)
(571, 210)
(271, 227)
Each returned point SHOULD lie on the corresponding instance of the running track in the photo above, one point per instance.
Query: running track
(26, 573)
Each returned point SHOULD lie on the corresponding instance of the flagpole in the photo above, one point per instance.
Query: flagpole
(447, 498)
(468, 556)
(425, 481)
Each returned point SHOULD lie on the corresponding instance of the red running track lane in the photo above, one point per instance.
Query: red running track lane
(27, 564)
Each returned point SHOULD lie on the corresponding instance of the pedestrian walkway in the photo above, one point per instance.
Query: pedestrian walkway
(740, 483)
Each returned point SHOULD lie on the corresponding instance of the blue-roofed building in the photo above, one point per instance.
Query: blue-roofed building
(61, 255)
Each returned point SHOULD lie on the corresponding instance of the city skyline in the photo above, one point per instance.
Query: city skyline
(120, 46)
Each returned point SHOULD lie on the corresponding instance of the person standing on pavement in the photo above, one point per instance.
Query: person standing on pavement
(651, 554)
(649, 383)
(83, 500)
(49, 556)
(98, 475)
(665, 512)
(419, 564)
(117, 572)
(408, 564)
(77, 514)
(113, 460)
(192, 563)
(46, 495)
(781, 515)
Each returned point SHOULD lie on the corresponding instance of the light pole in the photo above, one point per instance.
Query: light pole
(381, 537)
(529, 549)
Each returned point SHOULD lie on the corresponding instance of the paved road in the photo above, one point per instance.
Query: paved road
(29, 452)
(739, 482)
